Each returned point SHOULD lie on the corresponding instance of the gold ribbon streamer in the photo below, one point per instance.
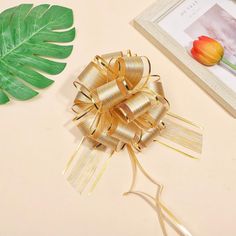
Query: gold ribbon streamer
(120, 103)
(164, 214)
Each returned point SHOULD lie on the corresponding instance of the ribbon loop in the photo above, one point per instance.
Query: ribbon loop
(111, 93)
(92, 76)
(127, 133)
(133, 107)
(156, 87)
(132, 68)
(113, 55)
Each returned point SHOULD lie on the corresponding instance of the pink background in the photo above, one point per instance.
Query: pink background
(37, 138)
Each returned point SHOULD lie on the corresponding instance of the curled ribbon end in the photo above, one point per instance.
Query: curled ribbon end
(126, 193)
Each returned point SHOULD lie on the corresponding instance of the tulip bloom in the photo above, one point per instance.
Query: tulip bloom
(209, 52)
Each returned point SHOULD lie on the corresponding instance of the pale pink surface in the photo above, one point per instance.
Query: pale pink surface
(37, 138)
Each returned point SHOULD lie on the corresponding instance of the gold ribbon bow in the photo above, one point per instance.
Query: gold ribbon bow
(120, 104)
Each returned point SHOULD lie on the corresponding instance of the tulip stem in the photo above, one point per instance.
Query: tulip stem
(228, 63)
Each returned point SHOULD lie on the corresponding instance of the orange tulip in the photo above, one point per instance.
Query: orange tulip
(207, 51)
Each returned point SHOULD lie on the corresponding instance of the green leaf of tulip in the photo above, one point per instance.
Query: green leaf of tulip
(28, 37)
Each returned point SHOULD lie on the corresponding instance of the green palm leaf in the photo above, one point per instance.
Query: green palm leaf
(27, 43)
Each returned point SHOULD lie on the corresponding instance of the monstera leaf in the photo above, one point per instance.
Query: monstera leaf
(28, 38)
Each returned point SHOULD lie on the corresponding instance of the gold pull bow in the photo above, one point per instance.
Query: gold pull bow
(120, 103)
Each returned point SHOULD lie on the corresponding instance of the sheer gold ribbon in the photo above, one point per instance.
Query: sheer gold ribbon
(121, 104)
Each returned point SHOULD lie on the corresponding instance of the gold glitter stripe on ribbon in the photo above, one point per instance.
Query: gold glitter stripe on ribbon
(121, 103)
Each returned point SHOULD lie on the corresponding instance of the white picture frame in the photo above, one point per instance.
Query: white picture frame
(144, 23)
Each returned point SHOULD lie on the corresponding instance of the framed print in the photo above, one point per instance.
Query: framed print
(173, 26)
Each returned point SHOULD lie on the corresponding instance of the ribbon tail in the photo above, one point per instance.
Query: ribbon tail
(85, 164)
(181, 135)
(163, 213)
(88, 172)
(160, 213)
(72, 157)
(135, 165)
(134, 168)
(168, 216)
(100, 174)
(81, 164)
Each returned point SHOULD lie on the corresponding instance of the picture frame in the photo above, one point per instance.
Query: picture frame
(147, 24)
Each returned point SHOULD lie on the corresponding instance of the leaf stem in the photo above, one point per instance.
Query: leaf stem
(228, 63)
